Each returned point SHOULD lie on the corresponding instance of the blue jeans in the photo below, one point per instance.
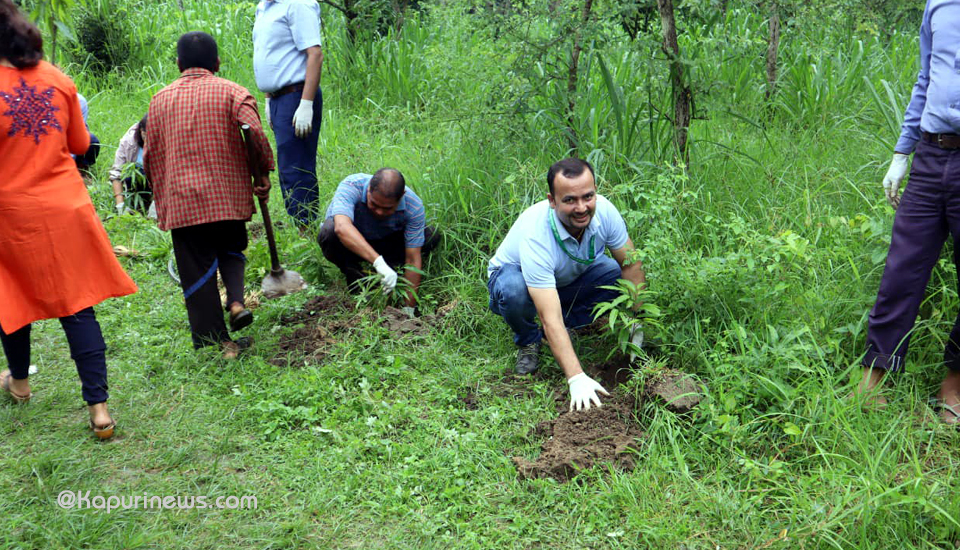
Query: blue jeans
(297, 158)
(87, 350)
(510, 299)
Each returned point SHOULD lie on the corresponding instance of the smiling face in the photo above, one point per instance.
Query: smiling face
(381, 207)
(575, 200)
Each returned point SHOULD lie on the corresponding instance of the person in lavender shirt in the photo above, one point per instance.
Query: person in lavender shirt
(926, 214)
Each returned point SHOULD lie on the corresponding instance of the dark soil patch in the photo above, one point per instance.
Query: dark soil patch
(311, 310)
(469, 400)
(582, 439)
(323, 326)
(612, 372)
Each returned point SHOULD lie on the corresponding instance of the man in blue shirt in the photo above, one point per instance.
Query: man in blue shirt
(927, 213)
(287, 62)
(88, 159)
(378, 220)
(551, 265)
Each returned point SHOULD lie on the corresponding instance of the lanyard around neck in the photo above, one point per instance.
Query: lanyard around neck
(556, 235)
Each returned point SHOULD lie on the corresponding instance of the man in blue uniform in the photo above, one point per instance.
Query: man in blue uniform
(287, 62)
(377, 220)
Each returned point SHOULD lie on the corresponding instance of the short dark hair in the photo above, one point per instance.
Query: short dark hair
(140, 131)
(20, 40)
(197, 50)
(570, 168)
(389, 183)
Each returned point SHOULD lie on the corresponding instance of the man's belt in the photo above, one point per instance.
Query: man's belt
(298, 87)
(943, 141)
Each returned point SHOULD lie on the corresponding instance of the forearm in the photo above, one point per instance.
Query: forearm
(414, 277)
(314, 70)
(351, 238)
(562, 347)
(117, 190)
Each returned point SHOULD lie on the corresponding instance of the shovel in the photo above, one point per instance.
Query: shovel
(280, 281)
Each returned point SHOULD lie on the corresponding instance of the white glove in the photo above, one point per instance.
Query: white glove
(266, 112)
(303, 119)
(389, 275)
(583, 390)
(636, 338)
(891, 182)
(121, 208)
(409, 311)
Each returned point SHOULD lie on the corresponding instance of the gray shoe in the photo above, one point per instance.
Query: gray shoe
(528, 359)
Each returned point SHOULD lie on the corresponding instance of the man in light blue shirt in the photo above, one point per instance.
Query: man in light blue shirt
(928, 212)
(551, 265)
(88, 159)
(377, 220)
(287, 63)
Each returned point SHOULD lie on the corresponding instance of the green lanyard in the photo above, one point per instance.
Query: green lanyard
(556, 235)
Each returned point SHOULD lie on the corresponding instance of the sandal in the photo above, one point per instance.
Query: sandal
(952, 409)
(19, 399)
(105, 432)
(233, 348)
(242, 319)
(102, 432)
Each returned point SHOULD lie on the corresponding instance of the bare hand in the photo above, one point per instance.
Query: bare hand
(261, 188)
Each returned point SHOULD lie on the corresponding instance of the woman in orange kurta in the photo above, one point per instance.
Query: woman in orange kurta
(55, 258)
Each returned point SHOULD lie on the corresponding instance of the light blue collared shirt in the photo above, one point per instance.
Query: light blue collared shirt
(282, 32)
(935, 103)
(350, 200)
(531, 245)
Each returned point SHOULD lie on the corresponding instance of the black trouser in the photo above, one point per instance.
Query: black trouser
(392, 248)
(87, 350)
(202, 250)
(88, 159)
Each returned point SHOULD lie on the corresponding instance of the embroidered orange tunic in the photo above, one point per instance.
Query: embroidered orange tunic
(55, 256)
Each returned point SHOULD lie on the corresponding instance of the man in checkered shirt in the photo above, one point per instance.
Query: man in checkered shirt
(196, 160)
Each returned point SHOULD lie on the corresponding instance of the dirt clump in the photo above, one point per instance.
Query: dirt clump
(679, 391)
(582, 439)
(397, 322)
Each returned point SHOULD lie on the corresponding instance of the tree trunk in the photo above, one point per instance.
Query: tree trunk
(682, 96)
(773, 47)
(572, 74)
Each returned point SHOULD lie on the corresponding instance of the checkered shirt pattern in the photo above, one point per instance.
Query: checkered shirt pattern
(194, 155)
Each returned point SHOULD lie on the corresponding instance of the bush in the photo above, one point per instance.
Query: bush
(104, 41)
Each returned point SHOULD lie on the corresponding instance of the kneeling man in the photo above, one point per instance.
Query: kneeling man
(552, 264)
(376, 219)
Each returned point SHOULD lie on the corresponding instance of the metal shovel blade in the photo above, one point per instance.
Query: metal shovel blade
(282, 282)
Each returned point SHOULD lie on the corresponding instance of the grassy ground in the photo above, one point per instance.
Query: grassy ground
(764, 258)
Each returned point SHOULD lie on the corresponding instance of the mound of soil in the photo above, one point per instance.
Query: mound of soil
(582, 439)
(315, 306)
(608, 435)
(679, 391)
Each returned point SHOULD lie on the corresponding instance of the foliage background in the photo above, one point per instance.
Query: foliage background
(764, 255)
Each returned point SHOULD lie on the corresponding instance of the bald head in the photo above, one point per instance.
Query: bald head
(388, 183)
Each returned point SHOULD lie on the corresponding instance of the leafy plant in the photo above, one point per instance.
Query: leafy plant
(628, 312)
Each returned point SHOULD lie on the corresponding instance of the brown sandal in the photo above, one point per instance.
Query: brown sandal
(19, 399)
(105, 432)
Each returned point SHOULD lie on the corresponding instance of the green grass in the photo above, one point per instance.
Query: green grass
(764, 258)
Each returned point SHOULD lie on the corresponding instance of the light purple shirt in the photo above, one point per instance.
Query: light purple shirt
(935, 103)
